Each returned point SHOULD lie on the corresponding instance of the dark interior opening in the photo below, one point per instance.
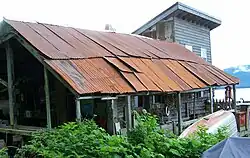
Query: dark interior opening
(30, 107)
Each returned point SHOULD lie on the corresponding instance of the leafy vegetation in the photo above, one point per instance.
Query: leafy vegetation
(146, 140)
(3, 153)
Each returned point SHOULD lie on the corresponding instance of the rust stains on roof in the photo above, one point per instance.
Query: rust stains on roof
(107, 62)
(198, 72)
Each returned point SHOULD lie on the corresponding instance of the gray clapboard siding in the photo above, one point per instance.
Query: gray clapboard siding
(191, 34)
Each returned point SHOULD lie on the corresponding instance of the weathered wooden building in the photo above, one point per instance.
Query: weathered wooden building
(191, 28)
(184, 25)
(53, 74)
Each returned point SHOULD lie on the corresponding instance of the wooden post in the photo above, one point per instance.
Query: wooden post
(211, 100)
(153, 99)
(194, 102)
(234, 98)
(78, 110)
(47, 98)
(129, 114)
(114, 108)
(179, 113)
(10, 72)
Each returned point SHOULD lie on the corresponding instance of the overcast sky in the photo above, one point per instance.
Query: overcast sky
(230, 41)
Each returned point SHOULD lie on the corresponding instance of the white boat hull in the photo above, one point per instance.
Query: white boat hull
(213, 122)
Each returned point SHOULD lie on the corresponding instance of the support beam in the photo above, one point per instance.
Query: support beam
(194, 104)
(10, 72)
(153, 99)
(179, 113)
(47, 98)
(78, 110)
(129, 114)
(114, 109)
(211, 100)
(3, 82)
(234, 98)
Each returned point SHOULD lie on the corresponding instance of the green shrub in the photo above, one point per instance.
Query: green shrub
(3, 153)
(146, 140)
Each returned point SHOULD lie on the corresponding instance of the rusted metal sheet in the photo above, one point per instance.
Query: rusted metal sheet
(196, 80)
(218, 75)
(175, 51)
(83, 46)
(40, 43)
(118, 64)
(97, 75)
(147, 82)
(74, 79)
(137, 45)
(151, 75)
(133, 80)
(102, 42)
(86, 77)
(200, 74)
(182, 74)
(54, 40)
(172, 75)
(130, 63)
(103, 76)
(207, 73)
(106, 62)
(166, 81)
(232, 78)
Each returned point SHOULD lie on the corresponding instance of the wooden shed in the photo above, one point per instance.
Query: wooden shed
(54, 74)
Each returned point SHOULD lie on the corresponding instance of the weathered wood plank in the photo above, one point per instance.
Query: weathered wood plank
(47, 98)
(78, 110)
(10, 72)
(128, 114)
(211, 99)
(234, 98)
(179, 113)
(3, 82)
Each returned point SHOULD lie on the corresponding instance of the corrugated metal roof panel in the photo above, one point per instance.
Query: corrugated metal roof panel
(199, 74)
(97, 75)
(105, 62)
(59, 43)
(161, 75)
(74, 78)
(103, 42)
(182, 74)
(133, 80)
(36, 40)
(172, 75)
(86, 77)
(231, 78)
(189, 75)
(117, 63)
(209, 74)
(137, 45)
(151, 75)
(130, 63)
(175, 51)
(218, 75)
(83, 46)
(147, 82)
(99, 69)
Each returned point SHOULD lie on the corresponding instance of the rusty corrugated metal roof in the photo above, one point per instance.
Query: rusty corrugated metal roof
(106, 62)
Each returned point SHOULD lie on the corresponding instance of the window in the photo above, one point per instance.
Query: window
(189, 47)
(204, 53)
